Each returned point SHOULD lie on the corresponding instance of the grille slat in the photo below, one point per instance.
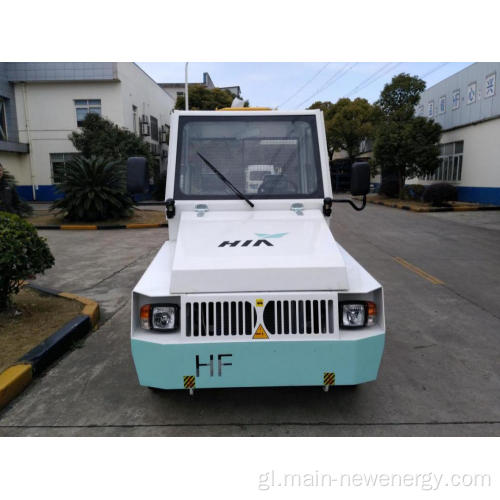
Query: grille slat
(299, 317)
(216, 318)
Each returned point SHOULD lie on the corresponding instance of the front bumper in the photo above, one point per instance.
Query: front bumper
(257, 363)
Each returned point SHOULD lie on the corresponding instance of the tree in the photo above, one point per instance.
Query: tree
(352, 123)
(399, 98)
(10, 201)
(94, 189)
(102, 138)
(405, 145)
(347, 124)
(201, 98)
(22, 255)
(408, 148)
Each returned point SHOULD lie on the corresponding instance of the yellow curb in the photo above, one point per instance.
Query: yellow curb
(77, 227)
(464, 209)
(91, 308)
(13, 380)
(141, 226)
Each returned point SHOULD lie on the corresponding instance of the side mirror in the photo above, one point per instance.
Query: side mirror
(360, 179)
(137, 175)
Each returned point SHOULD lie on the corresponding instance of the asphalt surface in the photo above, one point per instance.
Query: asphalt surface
(440, 374)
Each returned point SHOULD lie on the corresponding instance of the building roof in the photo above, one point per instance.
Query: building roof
(60, 71)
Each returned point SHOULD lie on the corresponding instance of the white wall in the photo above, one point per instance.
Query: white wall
(140, 90)
(481, 156)
(481, 160)
(50, 111)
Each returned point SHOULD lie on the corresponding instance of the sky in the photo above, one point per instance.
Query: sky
(291, 86)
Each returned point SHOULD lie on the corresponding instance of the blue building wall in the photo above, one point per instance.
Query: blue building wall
(50, 193)
(479, 194)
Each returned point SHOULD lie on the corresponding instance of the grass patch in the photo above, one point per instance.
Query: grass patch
(47, 218)
(41, 315)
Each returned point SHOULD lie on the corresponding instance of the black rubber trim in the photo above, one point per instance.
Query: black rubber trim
(100, 228)
(57, 344)
(43, 289)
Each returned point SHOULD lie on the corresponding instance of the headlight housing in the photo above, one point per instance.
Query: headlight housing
(357, 314)
(160, 317)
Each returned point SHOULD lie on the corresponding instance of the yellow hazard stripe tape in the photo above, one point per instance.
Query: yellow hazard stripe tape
(189, 382)
(67, 227)
(420, 272)
(329, 378)
(13, 380)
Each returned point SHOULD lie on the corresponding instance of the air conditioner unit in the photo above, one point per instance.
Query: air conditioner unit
(165, 129)
(155, 150)
(145, 128)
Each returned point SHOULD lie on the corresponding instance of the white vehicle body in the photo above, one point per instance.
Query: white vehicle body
(257, 292)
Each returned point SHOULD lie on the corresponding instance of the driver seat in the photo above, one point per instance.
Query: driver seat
(274, 184)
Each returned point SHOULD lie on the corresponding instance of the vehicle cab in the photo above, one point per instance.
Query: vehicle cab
(251, 289)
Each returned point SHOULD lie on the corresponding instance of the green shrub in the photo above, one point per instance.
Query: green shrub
(22, 255)
(389, 187)
(94, 189)
(438, 194)
(10, 200)
(414, 192)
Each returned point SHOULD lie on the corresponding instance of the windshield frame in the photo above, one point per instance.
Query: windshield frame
(184, 119)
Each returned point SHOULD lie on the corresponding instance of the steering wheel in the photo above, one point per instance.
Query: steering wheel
(277, 184)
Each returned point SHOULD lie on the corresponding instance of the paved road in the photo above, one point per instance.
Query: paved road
(440, 374)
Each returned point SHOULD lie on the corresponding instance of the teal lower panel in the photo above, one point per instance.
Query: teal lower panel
(257, 363)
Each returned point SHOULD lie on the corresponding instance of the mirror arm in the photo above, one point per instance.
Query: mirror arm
(363, 205)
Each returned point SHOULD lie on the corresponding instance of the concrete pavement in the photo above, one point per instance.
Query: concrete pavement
(440, 373)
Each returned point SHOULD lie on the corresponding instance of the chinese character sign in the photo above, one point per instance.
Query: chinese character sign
(471, 93)
(489, 85)
(430, 110)
(442, 104)
(455, 99)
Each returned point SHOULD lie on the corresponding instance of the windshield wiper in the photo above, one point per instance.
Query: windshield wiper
(226, 181)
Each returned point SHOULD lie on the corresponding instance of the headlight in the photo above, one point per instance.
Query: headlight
(161, 317)
(357, 314)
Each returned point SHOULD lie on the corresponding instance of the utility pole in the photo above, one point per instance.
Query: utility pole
(186, 91)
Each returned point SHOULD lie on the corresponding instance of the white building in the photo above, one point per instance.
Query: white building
(50, 100)
(467, 106)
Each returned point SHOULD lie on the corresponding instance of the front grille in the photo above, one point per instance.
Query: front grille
(211, 318)
(299, 317)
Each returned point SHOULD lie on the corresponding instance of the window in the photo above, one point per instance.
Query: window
(450, 163)
(134, 119)
(489, 85)
(442, 104)
(180, 94)
(455, 99)
(471, 93)
(3, 120)
(430, 109)
(264, 157)
(84, 107)
(59, 164)
(154, 128)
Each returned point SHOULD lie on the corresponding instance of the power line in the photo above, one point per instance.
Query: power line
(375, 77)
(333, 79)
(304, 86)
(435, 69)
(366, 80)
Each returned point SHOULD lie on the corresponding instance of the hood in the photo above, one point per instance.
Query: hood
(256, 251)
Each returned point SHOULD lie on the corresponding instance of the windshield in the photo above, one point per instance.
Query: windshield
(262, 156)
